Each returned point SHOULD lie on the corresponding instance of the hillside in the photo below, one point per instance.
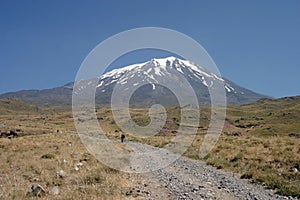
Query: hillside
(260, 141)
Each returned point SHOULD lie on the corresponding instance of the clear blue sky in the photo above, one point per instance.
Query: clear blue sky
(254, 43)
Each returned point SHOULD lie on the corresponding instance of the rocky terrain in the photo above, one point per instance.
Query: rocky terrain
(192, 179)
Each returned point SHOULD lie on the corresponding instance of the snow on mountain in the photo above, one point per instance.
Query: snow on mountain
(158, 69)
(161, 67)
(145, 78)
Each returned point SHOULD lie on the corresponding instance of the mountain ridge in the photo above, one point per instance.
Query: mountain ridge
(150, 71)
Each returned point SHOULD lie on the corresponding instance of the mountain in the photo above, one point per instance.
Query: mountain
(48, 97)
(170, 70)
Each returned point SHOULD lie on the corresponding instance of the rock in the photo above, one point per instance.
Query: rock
(295, 169)
(55, 190)
(61, 174)
(36, 190)
(77, 165)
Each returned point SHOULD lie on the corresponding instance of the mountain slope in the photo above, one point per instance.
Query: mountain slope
(157, 71)
(152, 72)
(48, 97)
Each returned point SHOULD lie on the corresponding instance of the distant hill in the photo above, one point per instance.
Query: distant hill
(59, 96)
(271, 117)
(15, 105)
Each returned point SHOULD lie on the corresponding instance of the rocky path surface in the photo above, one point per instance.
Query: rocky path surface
(190, 179)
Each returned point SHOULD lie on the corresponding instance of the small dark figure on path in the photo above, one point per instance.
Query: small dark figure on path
(122, 137)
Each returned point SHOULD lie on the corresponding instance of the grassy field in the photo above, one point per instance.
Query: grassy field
(49, 153)
(267, 151)
(39, 159)
(260, 141)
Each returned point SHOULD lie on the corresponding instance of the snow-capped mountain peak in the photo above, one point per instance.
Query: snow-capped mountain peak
(145, 78)
(149, 79)
(160, 67)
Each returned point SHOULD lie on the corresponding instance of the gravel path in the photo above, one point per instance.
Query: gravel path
(189, 179)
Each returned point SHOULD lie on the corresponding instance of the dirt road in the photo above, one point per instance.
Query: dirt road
(189, 179)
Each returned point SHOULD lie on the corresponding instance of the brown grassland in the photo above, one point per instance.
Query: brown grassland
(49, 144)
(260, 141)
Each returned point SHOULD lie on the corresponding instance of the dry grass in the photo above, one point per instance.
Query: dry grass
(41, 152)
(263, 150)
(271, 161)
(266, 149)
(255, 141)
(37, 159)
